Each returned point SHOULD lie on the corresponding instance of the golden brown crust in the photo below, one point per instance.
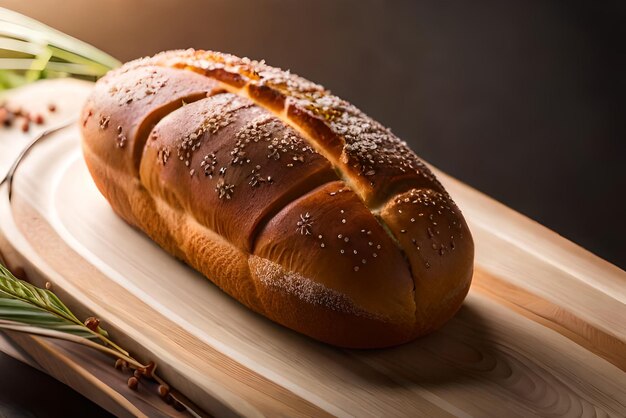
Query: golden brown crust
(312, 309)
(376, 162)
(270, 186)
(437, 242)
(125, 105)
(242, 165)
(347, 253)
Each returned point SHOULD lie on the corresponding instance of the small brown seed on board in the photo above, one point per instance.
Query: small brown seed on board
(119, 363)
(92, 323)
(163, 391)
(133, 383)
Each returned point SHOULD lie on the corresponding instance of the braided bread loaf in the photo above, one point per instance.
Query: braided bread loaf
(288, 198)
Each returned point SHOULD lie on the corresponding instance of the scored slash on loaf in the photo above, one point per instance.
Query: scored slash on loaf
(288, 198)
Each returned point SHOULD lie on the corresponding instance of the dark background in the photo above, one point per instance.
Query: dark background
(524, 100)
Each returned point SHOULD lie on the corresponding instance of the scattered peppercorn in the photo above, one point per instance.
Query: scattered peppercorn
(8, 120)
(92, 323)
(164, 391)
(133, 383)
(8, 115)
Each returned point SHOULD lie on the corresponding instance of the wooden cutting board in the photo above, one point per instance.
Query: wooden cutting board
(542, 332)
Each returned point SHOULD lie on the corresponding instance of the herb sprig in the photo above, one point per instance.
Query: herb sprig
(27, 308)
(30, 50)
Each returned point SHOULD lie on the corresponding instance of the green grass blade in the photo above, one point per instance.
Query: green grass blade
(13, 288)
(39, 31)
(19, 311)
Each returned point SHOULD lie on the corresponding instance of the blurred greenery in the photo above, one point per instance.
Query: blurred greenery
(30, 51)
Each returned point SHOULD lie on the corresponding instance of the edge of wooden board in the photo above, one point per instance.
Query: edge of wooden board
(92, 374)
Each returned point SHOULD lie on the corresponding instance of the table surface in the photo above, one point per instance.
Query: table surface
(26, 392)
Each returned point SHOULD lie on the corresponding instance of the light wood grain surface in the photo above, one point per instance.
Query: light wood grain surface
(541, 333)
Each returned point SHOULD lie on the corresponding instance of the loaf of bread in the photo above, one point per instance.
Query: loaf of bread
(288, 198)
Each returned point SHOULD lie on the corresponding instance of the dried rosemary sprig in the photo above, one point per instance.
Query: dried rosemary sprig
(27, 308)
(32, 310)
